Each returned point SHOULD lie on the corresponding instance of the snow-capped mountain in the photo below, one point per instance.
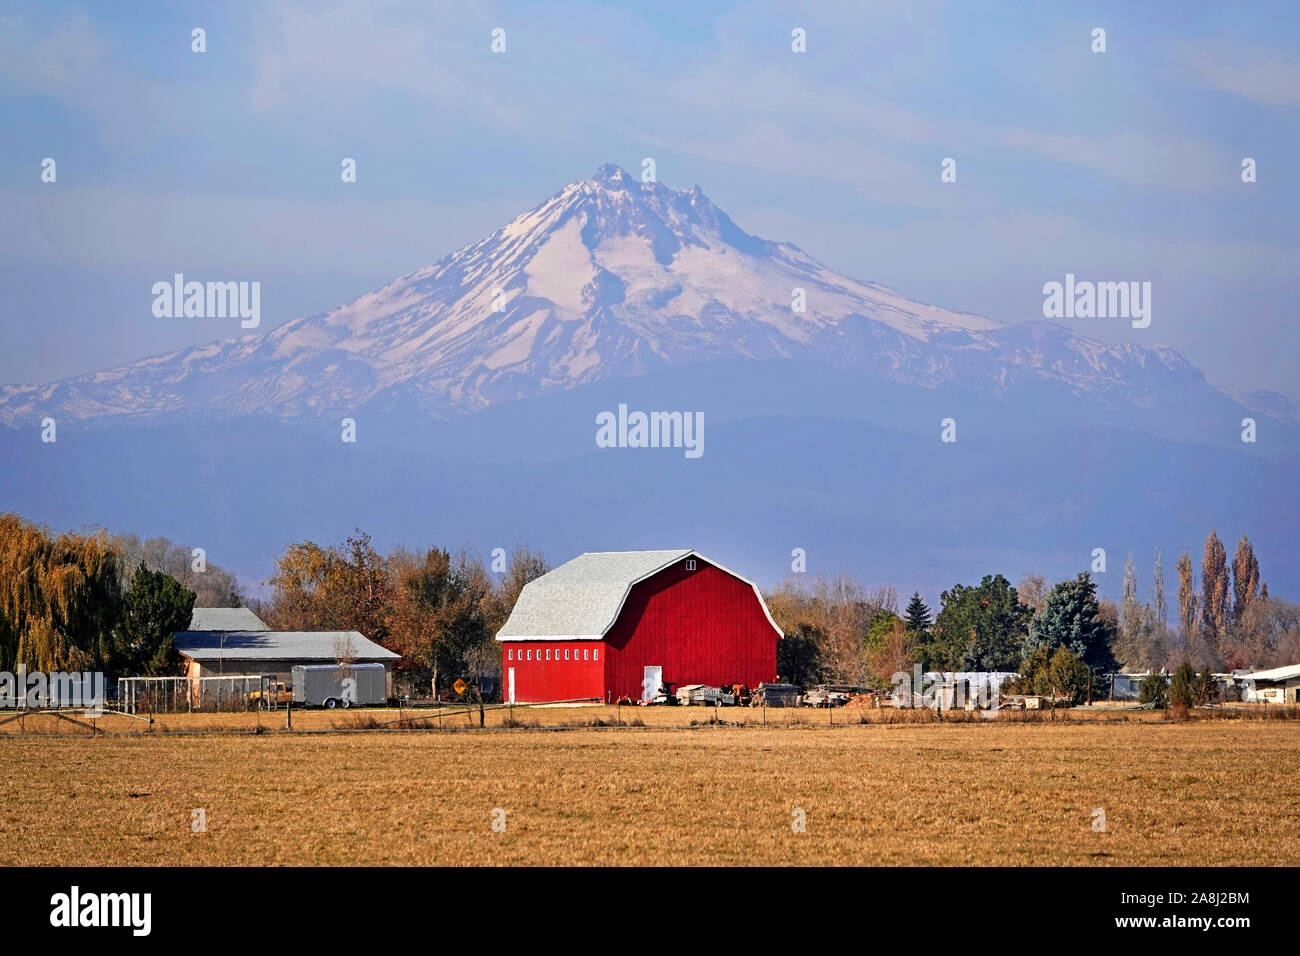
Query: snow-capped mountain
(608, 278)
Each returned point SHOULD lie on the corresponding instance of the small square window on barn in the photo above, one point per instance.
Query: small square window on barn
(690, 564)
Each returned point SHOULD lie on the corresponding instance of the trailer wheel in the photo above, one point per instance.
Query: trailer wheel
(346, 703)
(330, 703)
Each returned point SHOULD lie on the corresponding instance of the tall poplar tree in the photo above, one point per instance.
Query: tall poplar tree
(1214, 588)
(1245, 579)
(1188, 601)
(1159, 610)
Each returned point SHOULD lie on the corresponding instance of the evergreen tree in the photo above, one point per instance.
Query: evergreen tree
(1071, 619)
(918, 615)
(1070, 676)
(979, 628)
(1154, 690)
(1184, 687)
(155, 608)
(798, 655)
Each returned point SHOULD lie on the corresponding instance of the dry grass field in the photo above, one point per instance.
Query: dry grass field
(1202, 792)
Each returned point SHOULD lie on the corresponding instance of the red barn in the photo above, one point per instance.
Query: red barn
(619, 624)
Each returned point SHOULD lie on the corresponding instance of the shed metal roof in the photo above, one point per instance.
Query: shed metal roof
(581, 599)
(278, 645)
(1289, 672)
(225, 619)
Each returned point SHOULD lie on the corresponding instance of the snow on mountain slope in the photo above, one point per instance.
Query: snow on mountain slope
(609, 277)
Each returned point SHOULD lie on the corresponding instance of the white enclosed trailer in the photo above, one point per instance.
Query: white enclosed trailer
(334, 685)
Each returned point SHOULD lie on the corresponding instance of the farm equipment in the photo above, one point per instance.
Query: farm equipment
(776, 695)
(821, 697)
(689, 694)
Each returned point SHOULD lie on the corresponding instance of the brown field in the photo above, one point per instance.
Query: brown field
(1201, 792)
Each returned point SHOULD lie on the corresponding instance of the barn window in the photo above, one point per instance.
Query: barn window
(548, 653)
(690, 564)
(584, 655)
(510, 655)
(530, 653)
(595, 654)
(566, 653)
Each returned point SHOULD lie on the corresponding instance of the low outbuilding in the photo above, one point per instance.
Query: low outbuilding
(1278, 685)
(275, 653)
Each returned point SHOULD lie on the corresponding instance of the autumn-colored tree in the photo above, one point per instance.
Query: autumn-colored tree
(309, 592)
(366, 583)
(331, 589)
(1214, 590)
(896, 652)
(1188, 602)
(1032, 590)
(440, 616)
(60, 598)
(1245, 579)
(845, 620)
(525, 565)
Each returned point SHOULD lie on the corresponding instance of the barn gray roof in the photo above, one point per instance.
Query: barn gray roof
(225, 619)
(581, 599)
(278, 645)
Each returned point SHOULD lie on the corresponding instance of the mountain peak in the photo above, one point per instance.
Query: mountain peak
(612, 175)
(607, 278)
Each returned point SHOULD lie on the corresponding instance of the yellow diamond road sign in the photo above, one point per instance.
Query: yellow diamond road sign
(460, 686)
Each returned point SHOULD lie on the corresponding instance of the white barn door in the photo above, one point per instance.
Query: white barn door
(510, 684)
(653, 681)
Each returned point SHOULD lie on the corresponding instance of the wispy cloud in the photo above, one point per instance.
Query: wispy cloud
(1261, 75)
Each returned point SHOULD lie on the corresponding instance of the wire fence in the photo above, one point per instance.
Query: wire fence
(178, 695)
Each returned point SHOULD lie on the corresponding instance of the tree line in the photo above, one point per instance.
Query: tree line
(94, 601)
(439, 609)
(838, 632)
(86, 602)
(1061, 638)
(1226, 620)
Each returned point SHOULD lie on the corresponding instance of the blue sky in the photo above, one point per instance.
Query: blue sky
(1122, 165)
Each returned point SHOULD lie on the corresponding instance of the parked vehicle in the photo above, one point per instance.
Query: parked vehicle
(821, 697)
(275, 695)
(326, 685)
(704, 694)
